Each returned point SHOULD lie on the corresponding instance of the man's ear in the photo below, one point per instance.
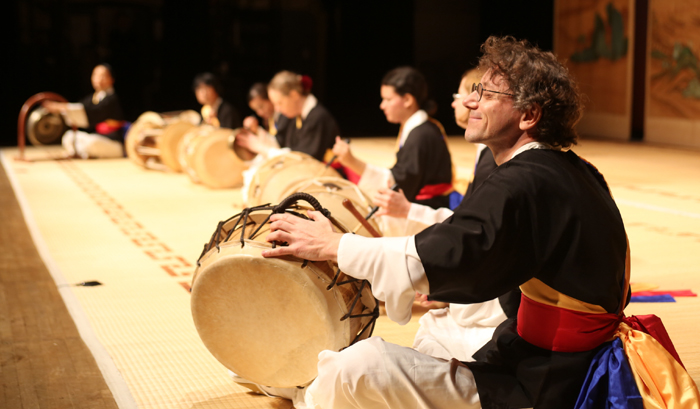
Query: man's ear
(530, 118)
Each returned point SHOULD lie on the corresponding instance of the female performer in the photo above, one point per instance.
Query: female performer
(259, 102)
(215, 110)
(312, 128)
(423, 168)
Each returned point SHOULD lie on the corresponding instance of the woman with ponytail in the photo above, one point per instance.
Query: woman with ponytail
(311, 128)
(423, 169)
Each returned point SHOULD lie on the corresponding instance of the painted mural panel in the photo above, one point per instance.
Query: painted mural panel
(594, 38)
(673, 74)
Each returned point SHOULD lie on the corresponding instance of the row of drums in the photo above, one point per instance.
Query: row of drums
(176, 142)
(208, 155)
(264, 319)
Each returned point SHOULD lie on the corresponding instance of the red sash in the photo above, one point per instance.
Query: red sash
(108, 126)
(431, 191)
(563, 330)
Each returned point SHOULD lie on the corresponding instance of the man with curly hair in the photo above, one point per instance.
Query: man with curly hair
(544, 221)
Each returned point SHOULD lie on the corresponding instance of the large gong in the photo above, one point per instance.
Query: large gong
(45, 128)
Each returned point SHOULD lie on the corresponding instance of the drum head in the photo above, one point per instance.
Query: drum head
(205, 156)
(44, 128)
(330, 192)
(275, 175)
(151, 117)
(190, 116)
(264, 321)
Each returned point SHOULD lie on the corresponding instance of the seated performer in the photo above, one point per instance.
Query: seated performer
(215, 111)
(311, 128)
(260, 103)
(458, 330)
(544, 221)
(423, 168)
(99, 116)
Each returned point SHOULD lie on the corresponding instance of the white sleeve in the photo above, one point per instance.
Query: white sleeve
(374, 178)
(427, 215)
(391, 265)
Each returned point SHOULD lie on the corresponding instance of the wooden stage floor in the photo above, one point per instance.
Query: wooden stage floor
(129, 343)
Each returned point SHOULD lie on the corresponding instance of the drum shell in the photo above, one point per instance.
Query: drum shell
(205, 155)
(153, 139)
(277, 174)
(267, 319)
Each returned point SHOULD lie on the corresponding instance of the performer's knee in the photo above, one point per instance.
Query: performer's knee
(342, 374)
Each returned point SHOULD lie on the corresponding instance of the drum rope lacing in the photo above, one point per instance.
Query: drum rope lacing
(284, 206)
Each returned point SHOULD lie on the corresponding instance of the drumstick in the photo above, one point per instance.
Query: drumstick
(348, 205)
(330, 162)
(395, 188)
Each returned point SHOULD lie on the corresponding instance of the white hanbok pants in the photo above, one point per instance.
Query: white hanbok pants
(91, 145)
(374, 374)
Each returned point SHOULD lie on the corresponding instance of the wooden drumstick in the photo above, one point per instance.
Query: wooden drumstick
(348, 205)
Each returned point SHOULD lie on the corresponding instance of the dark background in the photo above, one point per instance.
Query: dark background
(157, 47)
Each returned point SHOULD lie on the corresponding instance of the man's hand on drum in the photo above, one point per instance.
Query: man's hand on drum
(250, 141)
(392, 203)
(251, 123)
(307, 239)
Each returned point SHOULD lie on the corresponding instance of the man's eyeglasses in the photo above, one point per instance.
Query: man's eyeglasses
(480, 91)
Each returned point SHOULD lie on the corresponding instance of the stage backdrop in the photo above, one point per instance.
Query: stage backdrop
(673, 73)
(595, 40)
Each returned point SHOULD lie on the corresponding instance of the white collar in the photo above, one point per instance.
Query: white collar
(309, 104)
(415, 120)
(532, 145)
(102, 94)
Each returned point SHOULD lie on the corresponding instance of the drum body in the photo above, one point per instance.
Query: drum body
(44, 128)
(277, 174)
(205, 155)
(153, 139)
(330, 192)
(267, 319)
